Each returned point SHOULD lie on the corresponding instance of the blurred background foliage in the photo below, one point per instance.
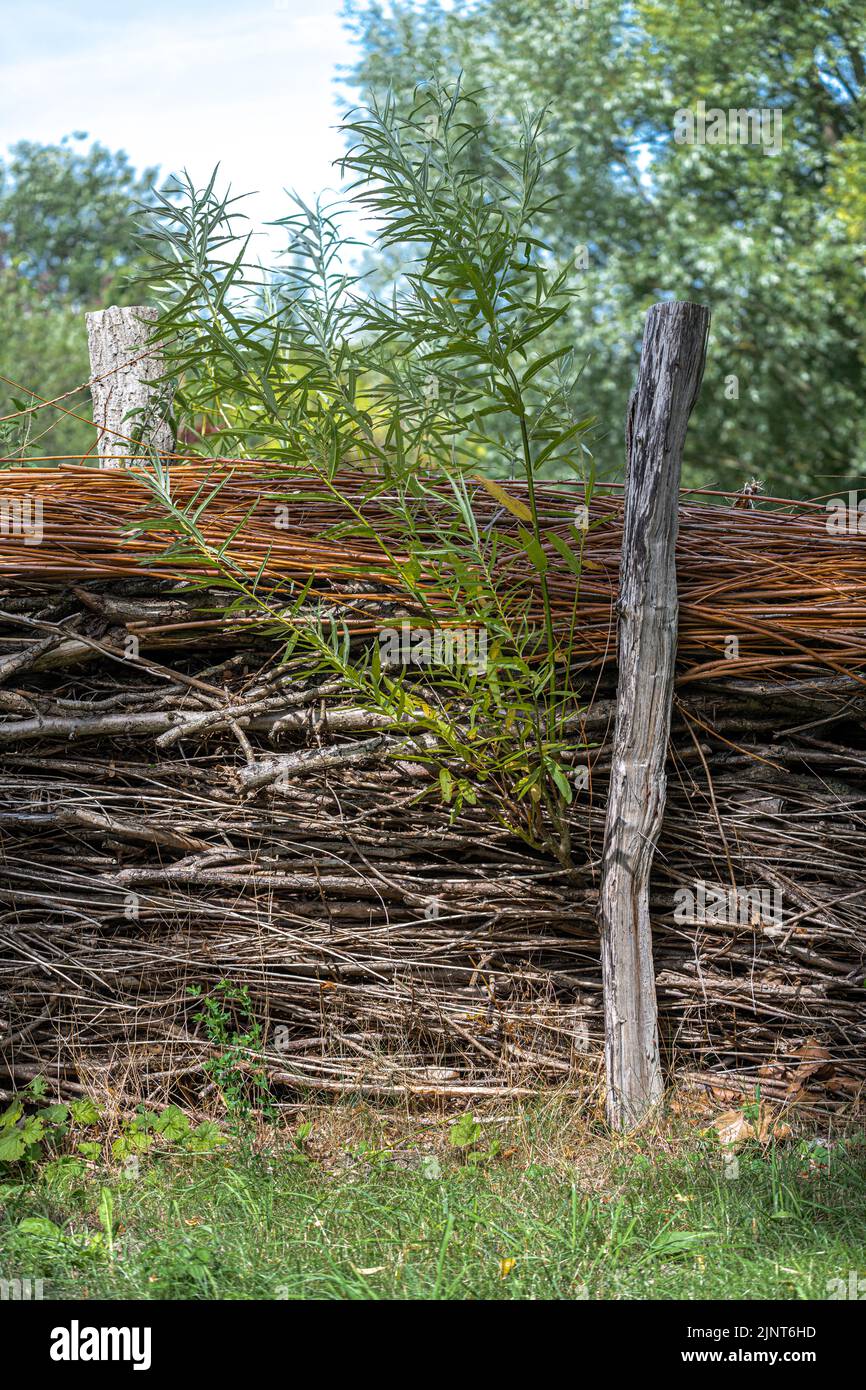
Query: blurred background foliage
(67, 245)
(775, 245)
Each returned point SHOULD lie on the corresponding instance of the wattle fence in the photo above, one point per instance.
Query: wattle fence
(177, 808)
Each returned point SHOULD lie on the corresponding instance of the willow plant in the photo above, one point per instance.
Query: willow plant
(455, 379)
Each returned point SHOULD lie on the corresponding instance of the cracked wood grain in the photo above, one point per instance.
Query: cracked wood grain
(669, 378)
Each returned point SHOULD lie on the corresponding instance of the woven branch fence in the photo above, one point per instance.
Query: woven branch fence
(204, 813)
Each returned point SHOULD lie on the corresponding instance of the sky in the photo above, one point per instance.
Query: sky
(184, 84)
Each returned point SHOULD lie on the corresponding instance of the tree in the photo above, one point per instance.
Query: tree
(774, 244)
(67, 245)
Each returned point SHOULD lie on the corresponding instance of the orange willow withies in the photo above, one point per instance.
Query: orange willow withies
(771, 587)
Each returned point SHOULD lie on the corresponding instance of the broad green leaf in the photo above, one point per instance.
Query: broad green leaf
(464, 1132)
(12, 1145)
(84, 1112)
(39, 1226)
(172, 1123)
(11, 1115)
(54, 1114)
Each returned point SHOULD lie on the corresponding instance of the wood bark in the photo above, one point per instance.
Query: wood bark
(671, 367)
(131, 407)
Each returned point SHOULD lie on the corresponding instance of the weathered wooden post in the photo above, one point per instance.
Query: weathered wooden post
(669, 378)
(131, 415)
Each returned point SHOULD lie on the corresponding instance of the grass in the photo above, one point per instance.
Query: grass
(373, 1206)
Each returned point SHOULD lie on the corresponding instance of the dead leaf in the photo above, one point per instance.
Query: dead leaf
(733, 1129)
(772, 1130)
(512, 504)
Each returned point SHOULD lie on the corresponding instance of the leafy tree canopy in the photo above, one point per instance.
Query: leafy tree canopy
(774, 243)
(65, 218)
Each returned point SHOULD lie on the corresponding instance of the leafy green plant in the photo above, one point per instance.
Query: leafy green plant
(29, 1129)
(752, 1109)
(84, 1112)
(229, 1023)
(165, 1130)
(425, 397)
(297, 1153)
(464, 1132)
(31, 1132)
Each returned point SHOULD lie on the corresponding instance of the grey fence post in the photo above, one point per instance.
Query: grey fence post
(669, 378)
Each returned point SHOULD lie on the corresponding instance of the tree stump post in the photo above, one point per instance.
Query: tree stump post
(669, 378)
(131, 414)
